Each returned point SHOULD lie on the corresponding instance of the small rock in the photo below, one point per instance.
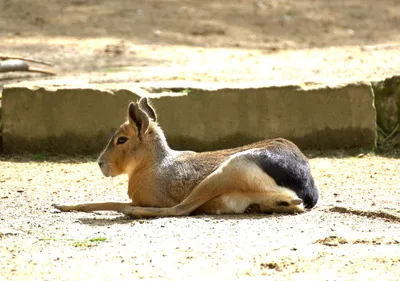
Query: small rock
(332, 240)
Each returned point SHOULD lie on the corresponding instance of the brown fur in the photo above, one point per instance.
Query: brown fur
(165, 182)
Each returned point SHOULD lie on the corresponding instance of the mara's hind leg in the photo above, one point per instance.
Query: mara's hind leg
(237, 175)
(272, 200)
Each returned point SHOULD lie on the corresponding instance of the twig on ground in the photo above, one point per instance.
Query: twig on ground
(25, 59)
(11, 65)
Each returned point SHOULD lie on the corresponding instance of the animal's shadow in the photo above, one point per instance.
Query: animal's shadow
(212, 218)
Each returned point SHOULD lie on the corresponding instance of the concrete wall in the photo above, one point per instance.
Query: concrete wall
(78, 119)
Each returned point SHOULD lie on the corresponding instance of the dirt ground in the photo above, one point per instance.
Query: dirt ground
(352, 234)
(233, 41)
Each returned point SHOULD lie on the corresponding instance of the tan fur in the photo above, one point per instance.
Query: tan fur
(165, 182)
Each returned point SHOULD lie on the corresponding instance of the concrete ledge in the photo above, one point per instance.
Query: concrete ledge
(76, 117)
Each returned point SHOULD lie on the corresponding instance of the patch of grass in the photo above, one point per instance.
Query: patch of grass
(185, 91)
(39, 157)
(98, 239)
(89, 243)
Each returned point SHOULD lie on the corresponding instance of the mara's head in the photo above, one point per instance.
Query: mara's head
(127, 147)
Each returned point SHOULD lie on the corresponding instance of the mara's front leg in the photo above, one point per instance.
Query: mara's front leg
(91, 207)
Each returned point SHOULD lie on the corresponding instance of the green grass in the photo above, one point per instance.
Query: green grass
(39, 157)
(185, 91)
(98, 239)
(87, 243)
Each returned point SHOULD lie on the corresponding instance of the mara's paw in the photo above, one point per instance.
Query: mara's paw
(62, 208)
(70, 208)
(291, 206)
(283, 205)
(131, 211)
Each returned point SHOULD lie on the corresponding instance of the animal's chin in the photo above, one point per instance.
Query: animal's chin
(109, 174)
(110, 171)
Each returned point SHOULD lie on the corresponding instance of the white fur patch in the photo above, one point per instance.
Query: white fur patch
(235, 203)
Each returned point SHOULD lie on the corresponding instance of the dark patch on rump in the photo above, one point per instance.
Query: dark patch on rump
(289, 168)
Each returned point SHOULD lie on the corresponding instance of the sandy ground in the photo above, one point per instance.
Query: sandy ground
(353, 234)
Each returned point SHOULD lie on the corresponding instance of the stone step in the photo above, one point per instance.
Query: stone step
(74, 117)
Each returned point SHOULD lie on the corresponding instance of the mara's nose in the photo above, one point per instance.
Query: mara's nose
(101, 164)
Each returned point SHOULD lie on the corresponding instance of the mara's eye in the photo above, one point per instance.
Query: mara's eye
(122, 140)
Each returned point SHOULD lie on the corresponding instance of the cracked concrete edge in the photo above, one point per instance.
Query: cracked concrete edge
(194, 115)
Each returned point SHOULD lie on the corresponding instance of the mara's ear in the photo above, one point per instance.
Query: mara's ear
(146, 107)
(138, 118)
